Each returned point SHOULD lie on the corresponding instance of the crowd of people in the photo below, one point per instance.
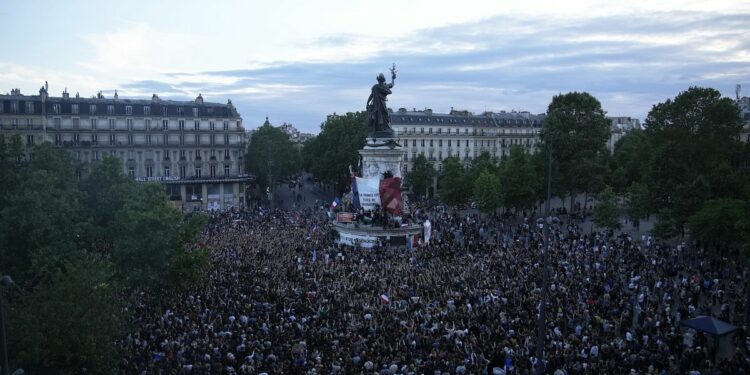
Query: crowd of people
(281, 297)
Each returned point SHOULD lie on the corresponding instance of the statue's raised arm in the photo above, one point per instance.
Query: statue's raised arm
(393, 74)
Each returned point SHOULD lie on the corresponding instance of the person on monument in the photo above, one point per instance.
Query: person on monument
(377, 110)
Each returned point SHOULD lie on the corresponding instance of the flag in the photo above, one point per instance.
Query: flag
(384, 299)
(315, 255)
(335, 203)
(390, 195)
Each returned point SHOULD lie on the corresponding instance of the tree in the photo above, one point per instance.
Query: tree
(630, 154)
(520, 181)
(329, 155)
(479, 165)
(692, 141)
(420, 176)
(452, 189)
(720, 222)
(606, 212)
(638, 203)
(487, 192)
(150, 242)
(575, 128)
(271, 156)
(68, 322)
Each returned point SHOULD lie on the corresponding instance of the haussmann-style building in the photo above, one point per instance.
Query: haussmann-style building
(194, 148)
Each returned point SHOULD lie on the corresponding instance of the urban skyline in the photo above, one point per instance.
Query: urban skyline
(482, 56)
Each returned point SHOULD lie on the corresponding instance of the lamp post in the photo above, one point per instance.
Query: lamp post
(4, 281)
(545, 265)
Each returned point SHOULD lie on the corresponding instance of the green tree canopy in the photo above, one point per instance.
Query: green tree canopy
(638, 202)
(453, 182)
(480, 164)
(271, 152)
(606, 212)
(487, 192)
(692, 139)
(329, 155)
(520, 181)
(721, 223)
(421, 174)
(575, 129)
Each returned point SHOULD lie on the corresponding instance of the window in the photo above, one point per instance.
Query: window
(148, 139)
(94, 139)
(29, 107)
(166, 155)
(414, 143)
(167, 172)
(14, 123)
(197, 172)
(226, 154)
(430, 130)
(180, 111)
(131, 172)
(58, 139)
(147, 110)
(197, 139)
(213, 171)
(29, 140)
(440, 143)
(56, 108)
(13, 107)
(111, 139)
(182, 124)
(128, 110)
(111, 124)
(213, 154)
(164, 111)
(149, 171)
(92, 109)
(197, 154)
(449, 143)
(431, 143)
(130, 139)
(113, 153)
(78, 155)
(164, 124)
(130, 155)
(148, 124)
(197, 124)
(76, 123)
(226, 139)
(213, 137)
(182, 154)
(421, 130)
(195, 112)
(422, 141)
(130, 123)
(110, 109)
(226, 170)
(165, 139)
(226, 125)
(76, 139)
(211, 125)
(93, 124)
(182, 140)
(29, 123)
(182, 172)
(74, 108)
(95, 155)
(467, 143)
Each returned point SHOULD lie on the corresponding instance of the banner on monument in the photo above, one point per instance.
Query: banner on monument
(390, 195)
(366, 242)
(344, 217)
(369, 192)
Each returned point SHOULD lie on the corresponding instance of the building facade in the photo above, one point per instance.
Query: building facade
(463, 134)
(621, 125)
(194, 148)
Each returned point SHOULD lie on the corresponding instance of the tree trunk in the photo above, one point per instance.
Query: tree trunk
(572, 200)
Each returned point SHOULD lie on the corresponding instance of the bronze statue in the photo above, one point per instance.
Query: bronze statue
(377, 110)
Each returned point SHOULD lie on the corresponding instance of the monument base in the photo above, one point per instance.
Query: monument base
(379, 158)
(368, 236)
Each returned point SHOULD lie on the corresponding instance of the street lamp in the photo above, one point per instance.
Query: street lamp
(545, 266)
(4, 281)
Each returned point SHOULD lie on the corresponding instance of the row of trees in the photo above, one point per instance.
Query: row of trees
(687, 167)
(75, 248)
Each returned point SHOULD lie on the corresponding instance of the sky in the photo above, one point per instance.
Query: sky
(298, 61)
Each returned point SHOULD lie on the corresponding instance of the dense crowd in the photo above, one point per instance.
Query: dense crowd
(281, 297)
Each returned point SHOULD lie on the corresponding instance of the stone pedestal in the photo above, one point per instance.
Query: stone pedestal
(380, 158)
